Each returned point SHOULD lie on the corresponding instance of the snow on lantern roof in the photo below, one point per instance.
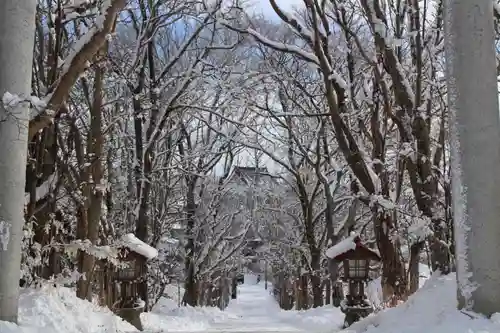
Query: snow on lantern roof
(343, 246)
(136, 245)
(351, 246)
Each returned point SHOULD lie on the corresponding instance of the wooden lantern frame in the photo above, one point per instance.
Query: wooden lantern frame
(120, 283)
(360, 252)
(356, 283)
(134, 265)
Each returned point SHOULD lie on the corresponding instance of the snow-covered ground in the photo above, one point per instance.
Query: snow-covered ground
(256, 311)
(51, 310)
(431, 310)
(253, 311)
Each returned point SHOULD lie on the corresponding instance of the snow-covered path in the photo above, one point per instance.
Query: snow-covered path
(254, 311)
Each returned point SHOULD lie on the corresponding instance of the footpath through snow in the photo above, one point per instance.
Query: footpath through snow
(254, 311)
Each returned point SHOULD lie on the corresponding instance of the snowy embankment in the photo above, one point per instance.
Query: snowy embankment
(51, 310)
(374, 288)
(433, 309)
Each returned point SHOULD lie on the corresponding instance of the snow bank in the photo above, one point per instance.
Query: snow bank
(432, 310)
(324, 319)
(58, 310)
(374, 287)
(167, 314)
(171, 318)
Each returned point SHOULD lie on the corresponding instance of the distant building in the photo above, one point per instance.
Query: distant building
(244, 193)
(249, 190)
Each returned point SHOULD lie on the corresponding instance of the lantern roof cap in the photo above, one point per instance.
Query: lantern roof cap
(351, 247)
(134, 244)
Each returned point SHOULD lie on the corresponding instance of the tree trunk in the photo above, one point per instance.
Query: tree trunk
(317, 290)
(17, 26)
(297, 295)
(328, 292)
(393, 271)
(191, 288)
(413, 269)
(95, 149)
(234, 288)
(82, 263)
(302, 292)
(42, 153)
(94, 189)
(475, 138)
(190, 296)
(315, 278)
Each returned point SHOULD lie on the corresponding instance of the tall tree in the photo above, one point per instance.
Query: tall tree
(17, 26)
(475, 131)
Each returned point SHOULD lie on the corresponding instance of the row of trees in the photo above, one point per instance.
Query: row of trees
(141, 109)
(366, 76)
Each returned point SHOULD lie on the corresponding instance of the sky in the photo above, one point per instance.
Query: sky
(263, 6)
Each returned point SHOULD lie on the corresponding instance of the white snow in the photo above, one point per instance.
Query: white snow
(420, 229)
(337, 78)
(385, 203)
(51, 310)
(10, 100)
(138, 246)
(255, 310)
(374, 287)
(43, 190)
(342, 247)
(433, 309)
(4, 235)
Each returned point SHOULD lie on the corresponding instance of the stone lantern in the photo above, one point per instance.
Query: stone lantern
(356, 259)
(134, 253)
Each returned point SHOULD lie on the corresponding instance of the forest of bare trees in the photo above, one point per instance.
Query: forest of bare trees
(140, 111)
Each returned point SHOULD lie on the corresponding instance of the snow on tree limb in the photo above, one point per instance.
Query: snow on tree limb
(86, 47)
(304, 32)
(403, 91)
(278, 46)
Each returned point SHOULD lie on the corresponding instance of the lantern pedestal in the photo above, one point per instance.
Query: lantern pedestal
(356, 305)
(355, 311)
(131, 315)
